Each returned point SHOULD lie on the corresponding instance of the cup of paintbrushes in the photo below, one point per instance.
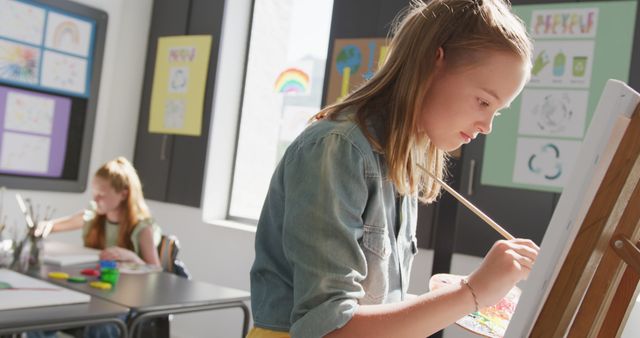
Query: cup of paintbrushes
(6, 249)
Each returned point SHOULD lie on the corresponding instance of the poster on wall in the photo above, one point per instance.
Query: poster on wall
(33, 132)
(353, 62)
(577, 48)
(44, 49)
(179, 81)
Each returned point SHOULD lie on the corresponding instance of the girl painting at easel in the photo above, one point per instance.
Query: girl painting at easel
(336, 236)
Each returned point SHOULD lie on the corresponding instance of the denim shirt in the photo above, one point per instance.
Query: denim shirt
(326, 240)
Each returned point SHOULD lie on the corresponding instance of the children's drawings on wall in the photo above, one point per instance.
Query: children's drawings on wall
(33, 132)
(179, 81)
(544, 161)
(555, 113)
(46, 65)
(18, 62)
(353, 62)
(577, 48)
(25, 153)
(562, 64)
(21, 21)
(64, 72)
(68, 34)
(174, 114)
(29, 113)
(566, 22)
(295, 80)
(36, 63)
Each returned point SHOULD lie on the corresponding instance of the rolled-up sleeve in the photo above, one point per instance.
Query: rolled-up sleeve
(326, 194)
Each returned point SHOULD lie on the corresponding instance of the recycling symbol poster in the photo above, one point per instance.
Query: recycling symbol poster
(577, 48)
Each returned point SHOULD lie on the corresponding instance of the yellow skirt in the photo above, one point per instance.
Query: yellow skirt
(257, 332)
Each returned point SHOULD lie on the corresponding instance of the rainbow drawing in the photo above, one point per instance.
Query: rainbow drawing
(66, 32)
(292, 81)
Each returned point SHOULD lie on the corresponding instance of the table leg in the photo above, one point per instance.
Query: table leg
(138, 319)
(67, 325)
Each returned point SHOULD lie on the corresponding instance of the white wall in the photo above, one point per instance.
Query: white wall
(213, 254)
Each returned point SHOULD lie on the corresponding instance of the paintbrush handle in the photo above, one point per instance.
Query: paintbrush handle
(24, 210)
(469, 205)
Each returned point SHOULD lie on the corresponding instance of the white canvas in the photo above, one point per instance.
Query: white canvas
(612, 115)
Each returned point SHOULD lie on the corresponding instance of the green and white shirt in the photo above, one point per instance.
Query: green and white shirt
(111, 229)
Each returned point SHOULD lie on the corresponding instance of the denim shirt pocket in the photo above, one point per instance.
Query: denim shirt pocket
(377, 250)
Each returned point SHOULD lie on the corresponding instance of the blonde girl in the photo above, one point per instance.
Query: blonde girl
(336, 236)
(118, 220)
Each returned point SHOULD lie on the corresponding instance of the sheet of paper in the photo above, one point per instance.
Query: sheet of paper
(133, 268)
(616, 106)
(59, 253)
(30, 292)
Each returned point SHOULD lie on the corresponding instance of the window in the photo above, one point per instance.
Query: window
(282, 90)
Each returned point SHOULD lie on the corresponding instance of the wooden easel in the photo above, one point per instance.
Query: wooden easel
(596, 285)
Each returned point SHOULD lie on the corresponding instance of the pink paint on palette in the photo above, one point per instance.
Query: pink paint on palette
(490, 321)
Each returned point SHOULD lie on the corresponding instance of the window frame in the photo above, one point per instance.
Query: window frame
(226, 120)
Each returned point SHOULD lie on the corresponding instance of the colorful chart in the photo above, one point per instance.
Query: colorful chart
(490, 321)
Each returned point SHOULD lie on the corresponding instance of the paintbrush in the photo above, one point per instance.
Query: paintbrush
(24, 210)
(2, 189)
(469, 205)
(27, 202)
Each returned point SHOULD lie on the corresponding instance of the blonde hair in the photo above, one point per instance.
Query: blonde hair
(121, 175)
(466, 30)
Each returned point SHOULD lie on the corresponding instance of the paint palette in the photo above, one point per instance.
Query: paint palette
(490, 321)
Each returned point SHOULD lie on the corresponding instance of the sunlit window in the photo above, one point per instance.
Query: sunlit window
(283, 89)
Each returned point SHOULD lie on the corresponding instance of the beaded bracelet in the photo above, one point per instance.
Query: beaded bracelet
(464, 281)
